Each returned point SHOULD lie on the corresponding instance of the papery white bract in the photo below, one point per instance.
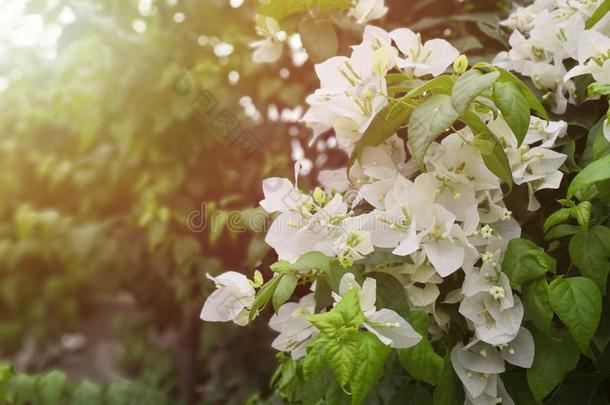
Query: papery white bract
(295, 330)
(430, 58)
(367, 10)
(231, 300)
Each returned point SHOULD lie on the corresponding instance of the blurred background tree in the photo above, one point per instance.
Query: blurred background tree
(134, 136)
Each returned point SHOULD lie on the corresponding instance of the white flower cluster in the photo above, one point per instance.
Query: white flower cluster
(550, 35)
(269, 49)
(446, 218)
(353, 89)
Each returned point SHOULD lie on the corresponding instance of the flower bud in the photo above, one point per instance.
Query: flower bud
(460, 64)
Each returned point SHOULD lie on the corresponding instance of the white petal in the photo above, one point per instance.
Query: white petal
(224, 306)
(368, 295)
(402, 335)
(444, 256)
(522, 349)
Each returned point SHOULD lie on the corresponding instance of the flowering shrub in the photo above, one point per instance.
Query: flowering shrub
(404, 276)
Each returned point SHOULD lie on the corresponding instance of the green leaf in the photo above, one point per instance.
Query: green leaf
(315, 360)
(561, 231)
(341, 355)
(508, 77)
(264, 295)
(599, 13)
(598, 89)
(51, 387)
(469, 85)
(322, 295)
(514, 108)
(589, 254)
(524, 261)
(370, 359)
(319, 38)
(495, 160)
(284, 290)
(582, 214)
(391, 294)
(519, 391)
(412, 395)
(596, 171)
(441, 84)
(581, 390)
(309, 261)
(430, 119)
(552, 361)
(87, 393)
(537, 303)
(422, 362)
(558, 217)
(578, 303)
(347, 314)
(447, 391)
(385, 124)
(334, 275)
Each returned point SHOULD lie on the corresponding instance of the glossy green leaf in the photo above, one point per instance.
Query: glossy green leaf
(319, 38)
(524, 261)
(495, 159)
(385, 124)
(508, 77)
(469, 85)
(284, 290)
(596, 171)
(553, 359)
(582, 214)
(264, 295)
(370, 359)
(448, 390)
(431, 118)
(514, 108)
(315, 360)
(347, 314)
(589, 254)
(561, 231)
(578, 303)
(537, 303)
(558, 217)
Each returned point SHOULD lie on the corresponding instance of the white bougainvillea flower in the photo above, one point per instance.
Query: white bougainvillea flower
(231, 301)
(558, 32)
(367, 10)
(456, 160)
(353, 243)
(281, 196)
(593, 57)
(490, 305)
(295, 330)
(519, 351)
(387, 325)
(545, 132)
(490, 324)
(352, 90)
(270, 49)
(430, 58)
(494, 393)
(477, 367)
(537, 166)
(445, 243)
